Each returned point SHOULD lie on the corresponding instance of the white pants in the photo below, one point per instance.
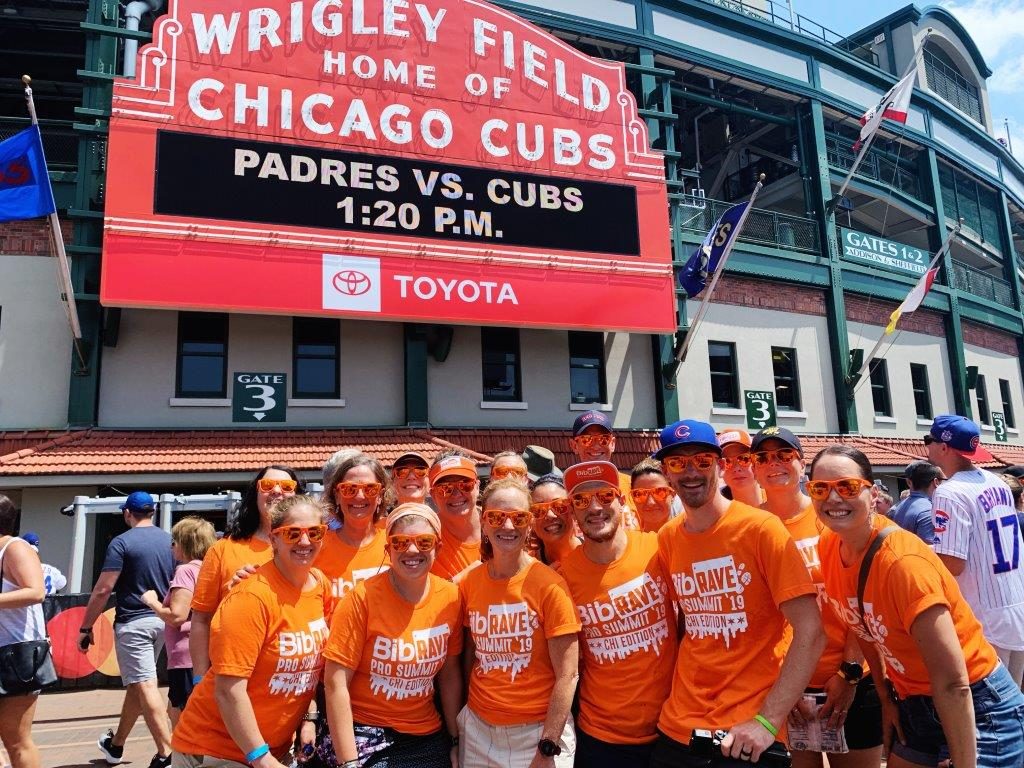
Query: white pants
(1014, 663)
(482, 745)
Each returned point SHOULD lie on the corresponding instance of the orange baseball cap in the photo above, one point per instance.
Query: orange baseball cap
(729, 436)
(591, 472)
(453, 466)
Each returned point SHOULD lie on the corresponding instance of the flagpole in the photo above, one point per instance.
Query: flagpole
(63, 268)
(680, 356)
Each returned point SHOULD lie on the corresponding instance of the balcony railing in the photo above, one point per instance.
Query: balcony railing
(763, 227)
(875, 165)
(977, 283)
(60, 142)
(952, 87)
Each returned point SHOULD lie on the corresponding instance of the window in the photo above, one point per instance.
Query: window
(500, 352)
(725, 385)
(880, 388)
(1004, 395)
(787, 381)
(586, 367)
(984, 416)
(202, 354)
(315, 343)
(922, 394)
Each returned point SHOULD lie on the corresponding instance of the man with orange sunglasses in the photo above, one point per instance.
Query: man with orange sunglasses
(737, 579)
(454, 486)
(593, 440)
(409, 479)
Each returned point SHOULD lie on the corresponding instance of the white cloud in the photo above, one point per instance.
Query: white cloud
(1007, 75)
(995, 25)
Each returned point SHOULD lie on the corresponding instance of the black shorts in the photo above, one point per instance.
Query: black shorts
(179, 686)
(594, 753)
(669, 753)
(863, 726)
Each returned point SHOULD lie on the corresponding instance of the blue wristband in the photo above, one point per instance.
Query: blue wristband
(257, 753)
(196, 679)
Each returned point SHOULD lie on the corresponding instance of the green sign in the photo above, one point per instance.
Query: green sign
(760, 409)
(879, 252)
(259, 397)
(999, 422)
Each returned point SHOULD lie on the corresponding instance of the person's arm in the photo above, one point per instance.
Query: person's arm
(935, 635)
(753, 738)
(176, 612)
(240, 719)
(449, 683)
(96, 605)
(564, 652)
(21, 566)
(839, 692)
(339, 711)
(954, 565)
(199, 642)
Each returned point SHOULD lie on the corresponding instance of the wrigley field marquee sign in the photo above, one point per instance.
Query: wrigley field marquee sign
(433, 160)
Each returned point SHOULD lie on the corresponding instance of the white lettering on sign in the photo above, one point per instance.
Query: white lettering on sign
(261, 378)
(468, 291)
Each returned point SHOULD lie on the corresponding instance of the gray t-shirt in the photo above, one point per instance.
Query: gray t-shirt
(143, 556)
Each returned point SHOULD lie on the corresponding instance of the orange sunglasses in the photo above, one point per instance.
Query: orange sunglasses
(424, 542)
(558, 506)
(496, 518)
(268, 484)
(292, 534)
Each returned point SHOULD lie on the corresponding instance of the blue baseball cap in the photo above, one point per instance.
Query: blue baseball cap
(31, 537)
(959, 433)
(590, 419)
(139, 501)
(687, 432)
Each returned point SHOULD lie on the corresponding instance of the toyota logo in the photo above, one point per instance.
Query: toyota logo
(351, 282)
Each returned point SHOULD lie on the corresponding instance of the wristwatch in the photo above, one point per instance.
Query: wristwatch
(851, 672)
(548, 748)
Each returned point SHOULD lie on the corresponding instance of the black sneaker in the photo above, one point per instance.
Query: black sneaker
(111, 753)
(159, 761)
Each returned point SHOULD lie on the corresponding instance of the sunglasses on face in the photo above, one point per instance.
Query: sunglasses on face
(660, 494)
(739, 460)
(499, 473)
(447, 489)
(782, 455)
(846, 487)
(702, 461)
(584, 499)
(586, 441)
(558, 506)
(268, 484)
(404, 473)
(292, 534)
(424, 542)
(351, 490)
(496, 518)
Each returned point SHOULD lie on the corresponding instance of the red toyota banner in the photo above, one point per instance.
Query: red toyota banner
(434, 160)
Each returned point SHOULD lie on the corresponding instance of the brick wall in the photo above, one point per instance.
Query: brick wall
(989, 338)
(861, 309)
(30, 238)
(748, 292)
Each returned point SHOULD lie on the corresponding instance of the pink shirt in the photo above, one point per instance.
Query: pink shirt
(176, 638)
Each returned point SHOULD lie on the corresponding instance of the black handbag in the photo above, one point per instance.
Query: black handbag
(26, 666)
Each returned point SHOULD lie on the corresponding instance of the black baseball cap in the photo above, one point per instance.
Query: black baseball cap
(775, 433)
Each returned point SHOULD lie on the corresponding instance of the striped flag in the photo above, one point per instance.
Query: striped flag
(914, 298)
(893, 106)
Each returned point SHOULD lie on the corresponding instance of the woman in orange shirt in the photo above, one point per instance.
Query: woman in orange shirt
(360, 492)
(552, 519)
(265, 644)
(391, 637)
(246, 543)
(953, 698)
(523, 649)
(651, 495)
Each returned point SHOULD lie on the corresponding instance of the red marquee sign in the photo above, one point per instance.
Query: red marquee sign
(422, 160)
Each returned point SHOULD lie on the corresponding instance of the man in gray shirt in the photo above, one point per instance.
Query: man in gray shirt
(914, 513)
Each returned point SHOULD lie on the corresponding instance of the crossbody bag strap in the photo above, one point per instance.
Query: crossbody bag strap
(865, 570)
(3, 551)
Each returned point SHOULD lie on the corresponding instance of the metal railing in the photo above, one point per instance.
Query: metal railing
(952, 87)
(763, 227)
(60, 142)
(977, 283)
(779, 14)
(875, 165)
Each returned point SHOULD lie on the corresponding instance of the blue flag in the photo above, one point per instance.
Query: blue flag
(25, 191)
(694, 276)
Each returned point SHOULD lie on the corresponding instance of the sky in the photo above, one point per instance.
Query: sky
(997, 27)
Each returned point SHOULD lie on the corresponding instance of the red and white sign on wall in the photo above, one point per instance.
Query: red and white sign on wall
(435, 160)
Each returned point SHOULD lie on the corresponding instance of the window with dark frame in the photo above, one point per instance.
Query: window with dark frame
(202, 355)
(501, 365)
(1004, 395)
(787, 379)
(922, 392)
(587, 382)
(725, 384)
(315, 352)
(880, 397)
(984, 415)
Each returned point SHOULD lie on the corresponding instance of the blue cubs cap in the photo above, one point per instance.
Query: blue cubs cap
(139, 501)
(589, 419)
(31, 537)
(687, 432)
(959, 433)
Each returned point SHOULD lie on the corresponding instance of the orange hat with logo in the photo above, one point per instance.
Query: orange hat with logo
(453, 466)
(591, 472)
(734, 436)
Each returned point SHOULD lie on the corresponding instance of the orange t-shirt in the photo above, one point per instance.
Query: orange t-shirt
(221, 563)
(511, 621)
(454, 556)
(630, 517)
(628, 643)
(396, 649)
(728, 582)
(346, 565)
(906, 579)
(272, 633)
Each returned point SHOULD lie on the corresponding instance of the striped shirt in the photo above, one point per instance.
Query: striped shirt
(975, 521)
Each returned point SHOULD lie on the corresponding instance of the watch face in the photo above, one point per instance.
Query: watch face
(548, 748)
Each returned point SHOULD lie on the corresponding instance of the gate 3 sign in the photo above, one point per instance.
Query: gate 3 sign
(437, 160)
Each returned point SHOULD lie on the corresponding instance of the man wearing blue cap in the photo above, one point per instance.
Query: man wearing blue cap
(138, 560)
(978, 537)
(53, 579)
(594, 440)
(737, 579)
